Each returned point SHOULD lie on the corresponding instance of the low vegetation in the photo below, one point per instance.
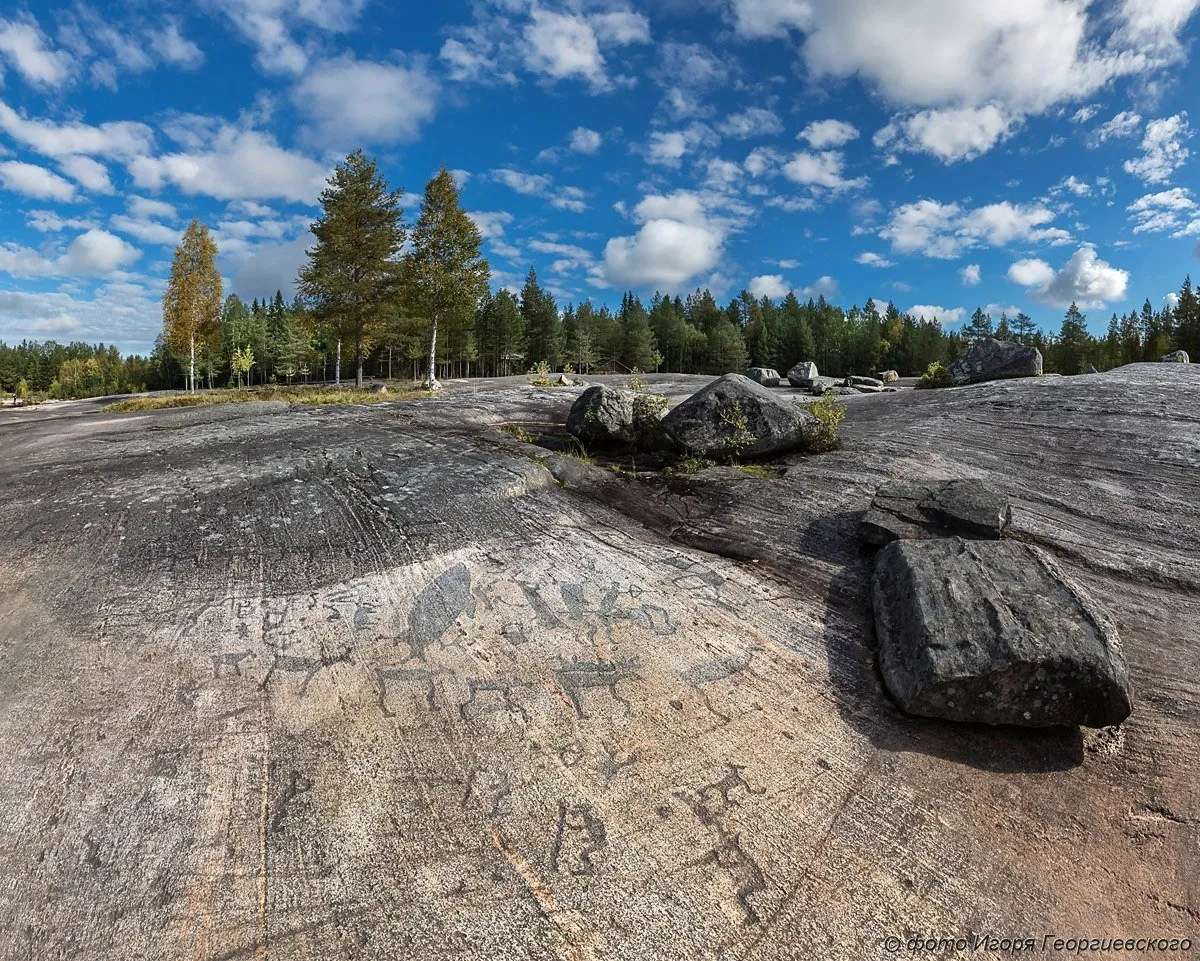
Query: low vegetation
(316, 396)
(936, 375)
(829, 412)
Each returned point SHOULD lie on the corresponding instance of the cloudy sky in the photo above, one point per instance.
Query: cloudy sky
(944, 154)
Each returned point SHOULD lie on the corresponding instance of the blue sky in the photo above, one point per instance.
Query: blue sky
(944, 154)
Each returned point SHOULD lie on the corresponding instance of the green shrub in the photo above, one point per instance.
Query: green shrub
(829, 412)
(520, 433)
(739, 437)
(935, 376)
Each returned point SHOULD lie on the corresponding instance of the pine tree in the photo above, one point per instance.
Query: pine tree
(444, 273)
(1024, 328)
(352, 273)
(192, 301)
(1072, 341)
(638, 348)
(979, 327)
(1187, 320)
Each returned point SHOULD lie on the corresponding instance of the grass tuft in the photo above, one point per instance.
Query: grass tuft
(317, 396)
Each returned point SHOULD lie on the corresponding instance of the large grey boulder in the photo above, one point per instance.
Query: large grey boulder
(920, 511)
(1176, 357)
(803, 375)
(764, 375)
(994, 632)
(735, 417)
(603, 415)
(993, 359)
(889, 376)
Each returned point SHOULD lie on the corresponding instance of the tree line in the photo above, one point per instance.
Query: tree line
(378, 296)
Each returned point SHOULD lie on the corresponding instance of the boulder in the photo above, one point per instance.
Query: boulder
(994, 632)
(803, 375)
(764, 375)
(562, 380)
(993, 359)
(1176, 357)
(856, 381)
(822, 384)
(735, 417)
(904, 511)
(379, 389)
(867, 389)
(603, 416)
(889, 376)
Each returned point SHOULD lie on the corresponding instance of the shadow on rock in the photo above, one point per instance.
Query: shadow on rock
(863, 701)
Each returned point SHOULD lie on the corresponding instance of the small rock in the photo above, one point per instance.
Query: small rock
(993, 359)
(562, 380)
(1092, 369)
(889, 376)
(380, 389)
(803, 375)
(764, 375)
(1176, 357)
(993, 632)
(908, 511)
(735, 417)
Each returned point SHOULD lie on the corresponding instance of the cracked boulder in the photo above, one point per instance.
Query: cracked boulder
(734, 417)
(993, 359)
(803, 375)
(603, 416)
(920, 511)
(994, 632)
(1176, 357)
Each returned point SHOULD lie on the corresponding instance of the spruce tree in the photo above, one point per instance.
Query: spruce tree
(541, 323)
(352, 272)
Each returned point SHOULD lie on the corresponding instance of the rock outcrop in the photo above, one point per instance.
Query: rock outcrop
(889, 376)
(735, 417)
(855, 380)
(993, 359)
(921, 511)
(1176, 357)
(804, 375)
(603, 416)
(994, 632)
(764, 375)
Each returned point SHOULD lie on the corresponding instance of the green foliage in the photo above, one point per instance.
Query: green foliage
(756, 470)
(935, 376)
(542, 328)
(192, 300)
(690, 465)
(313, 396)
(352, 276)
(541, 374)
(830, 412)
(22, 390)
(520, 433)
(738, 437)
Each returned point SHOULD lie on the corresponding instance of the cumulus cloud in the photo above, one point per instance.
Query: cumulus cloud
(1124, 124)
(939, 315)
(687, 72)
(868, 259)
(238, 164)
(1163, 151)
(270, 26)
(562, 46)
(822, 134)
(951, 135)
(88, 173)
(541, 185)
(30, 180)
(491, 223)
(752, 122)
(1085, 280)
(1170, 301)
(118, 140)
(125, 314)
(584, 140)
(95, 253)
(349, 101)
(970, 275)
(27, 50)
(1171, 211)
(668, 147)
(824, 286)
(769, 285)
(822, 169)
(945, 231)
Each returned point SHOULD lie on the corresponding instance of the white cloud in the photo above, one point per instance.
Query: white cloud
(31, 180)
(125, 314)
(88, 173)
(1124, 124)
(1163, 151)
(175, 48)
(541, 185)
(769, 285)
(119, 140)
(970, 275)
(584, 140)
(147, 231)
(751, 122)
(1169, 210)
(1170, 301)
(759, 19)
(269, 25)
(868, 259)
(939, 315)
(27, 50)
(1085, 280)
(668, 147)
(828, 133)
(47, 221)
(265, 268)
(762, 160)
(820, 170)
(662, 254)
(491, 223)
(349, 101)
(239, 164)
(1085, 113)
(95, 253)
(145, 207)
(564, 46)
(688, 72)
(944, 231)
(825, 287)
(951, 135)
(1076, 186)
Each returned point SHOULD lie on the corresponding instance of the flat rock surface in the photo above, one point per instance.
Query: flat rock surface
(373, 682)
(994, 632)
(908, 510)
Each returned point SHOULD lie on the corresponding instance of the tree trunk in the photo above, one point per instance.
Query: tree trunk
(192, 367)
(358, 357)
(431, 382)
(389, 363)
(337, 365)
